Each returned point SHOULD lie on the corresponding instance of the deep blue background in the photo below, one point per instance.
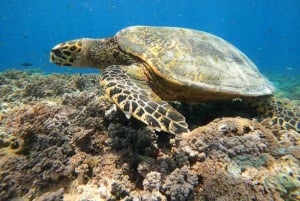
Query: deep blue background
(268, 31)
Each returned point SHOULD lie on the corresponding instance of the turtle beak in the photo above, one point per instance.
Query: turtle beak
(54, 55)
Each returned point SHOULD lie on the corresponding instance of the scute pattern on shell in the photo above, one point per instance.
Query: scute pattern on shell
(194, 58)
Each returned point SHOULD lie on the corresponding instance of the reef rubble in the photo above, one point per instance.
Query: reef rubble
(61, 139)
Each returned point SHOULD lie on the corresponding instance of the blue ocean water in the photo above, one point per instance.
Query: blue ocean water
(268, 31)
(50, 141)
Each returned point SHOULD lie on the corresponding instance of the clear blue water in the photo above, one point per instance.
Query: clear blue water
(268, 31)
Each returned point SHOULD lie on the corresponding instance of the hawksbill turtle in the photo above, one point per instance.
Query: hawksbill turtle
(144, 67)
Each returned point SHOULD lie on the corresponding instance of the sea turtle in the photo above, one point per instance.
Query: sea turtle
(144, 67)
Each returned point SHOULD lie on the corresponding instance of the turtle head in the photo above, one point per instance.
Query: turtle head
(86, 52)
(72, 53)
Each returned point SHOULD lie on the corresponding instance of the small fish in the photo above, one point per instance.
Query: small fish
(26, 64)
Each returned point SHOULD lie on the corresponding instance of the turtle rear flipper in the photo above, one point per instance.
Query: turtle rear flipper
(285, 113)
(127, 87)
(282, 112)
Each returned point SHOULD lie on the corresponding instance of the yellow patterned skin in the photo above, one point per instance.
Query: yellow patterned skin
(143, 67)
(134, 97)
(281, 111)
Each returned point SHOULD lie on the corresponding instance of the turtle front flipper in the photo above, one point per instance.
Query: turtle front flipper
(128, 88)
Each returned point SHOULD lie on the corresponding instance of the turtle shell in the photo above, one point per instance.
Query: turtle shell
(195, 59)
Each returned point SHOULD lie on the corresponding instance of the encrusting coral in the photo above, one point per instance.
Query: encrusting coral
(60, 139)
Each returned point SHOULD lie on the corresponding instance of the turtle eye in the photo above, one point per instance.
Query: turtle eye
(74, 48)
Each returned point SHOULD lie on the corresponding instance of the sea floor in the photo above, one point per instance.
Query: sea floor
(287, 84)
(61, 139)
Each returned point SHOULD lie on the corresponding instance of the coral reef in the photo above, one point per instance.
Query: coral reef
(239, 159)
(61, 139)
(180, 184)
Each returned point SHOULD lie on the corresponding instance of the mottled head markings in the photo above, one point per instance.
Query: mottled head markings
(66, 54)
